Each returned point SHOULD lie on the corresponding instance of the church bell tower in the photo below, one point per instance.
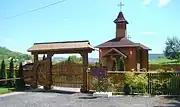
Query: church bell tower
(121, 23)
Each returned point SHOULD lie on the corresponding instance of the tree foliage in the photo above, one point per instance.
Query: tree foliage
(120, 64)
(20, 84)
(11, 73)
(2, 71)
(74, 59)
(172, 49)
(137, 82)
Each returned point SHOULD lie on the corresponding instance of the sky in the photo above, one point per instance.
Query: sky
(151, 22)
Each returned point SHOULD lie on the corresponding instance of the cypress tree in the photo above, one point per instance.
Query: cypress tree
(20, 84)
(2, 74)
(120, 63)
(11, 73)
(2, 71)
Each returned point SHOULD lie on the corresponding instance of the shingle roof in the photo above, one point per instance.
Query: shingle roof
(121, 42)
(120, 18)
(67, 45)
(117, 51)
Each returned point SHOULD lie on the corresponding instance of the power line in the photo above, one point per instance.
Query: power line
(40, 8)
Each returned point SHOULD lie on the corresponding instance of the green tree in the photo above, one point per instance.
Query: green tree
(74, 59)
(11, 72)
(2, 71)
(172, 49)
(20, 84)
(120, 64)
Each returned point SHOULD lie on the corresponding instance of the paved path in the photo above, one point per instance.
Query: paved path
(49, 99)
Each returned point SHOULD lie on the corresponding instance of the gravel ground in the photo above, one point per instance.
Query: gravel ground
(49, 99)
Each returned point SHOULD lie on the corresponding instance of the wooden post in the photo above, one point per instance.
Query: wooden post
(85, 66)
(34, 84)
(49, 74)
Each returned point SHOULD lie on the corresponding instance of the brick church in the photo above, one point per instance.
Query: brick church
(122, 54)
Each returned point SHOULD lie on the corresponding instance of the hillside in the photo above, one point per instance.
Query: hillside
(6, 54)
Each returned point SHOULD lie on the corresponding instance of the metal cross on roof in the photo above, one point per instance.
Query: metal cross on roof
(128, 36)
(121, 5)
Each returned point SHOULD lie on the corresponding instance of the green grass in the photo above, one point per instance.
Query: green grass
(4, 90)
(163, 61)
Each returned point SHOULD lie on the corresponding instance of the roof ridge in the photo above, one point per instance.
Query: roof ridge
(62, 42)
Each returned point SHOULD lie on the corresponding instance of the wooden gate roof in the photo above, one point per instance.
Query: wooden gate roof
(65, 47)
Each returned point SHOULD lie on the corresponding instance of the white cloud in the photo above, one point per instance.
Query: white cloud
(148, 33)
(160, 4)
(164, 2)
(146, 2)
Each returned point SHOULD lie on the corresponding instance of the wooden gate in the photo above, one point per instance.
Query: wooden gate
(67, 75)
(42, 72)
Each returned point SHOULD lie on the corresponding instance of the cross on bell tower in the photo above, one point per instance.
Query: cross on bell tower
(120, 5)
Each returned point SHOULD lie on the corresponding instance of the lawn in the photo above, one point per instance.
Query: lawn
(4, 90)
(163, 61)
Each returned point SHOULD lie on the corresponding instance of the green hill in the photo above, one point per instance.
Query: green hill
(18, 57)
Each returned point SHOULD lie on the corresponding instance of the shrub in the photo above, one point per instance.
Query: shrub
(20, 84)
(127, 89)
(2, 72)
(138, 82)
(101, 84)
(11, 73)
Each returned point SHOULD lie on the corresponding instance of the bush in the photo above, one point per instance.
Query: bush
(2, 73)
(101, 84)
(127, 89)
(138, 82)
(11, 74)
(20, 84)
